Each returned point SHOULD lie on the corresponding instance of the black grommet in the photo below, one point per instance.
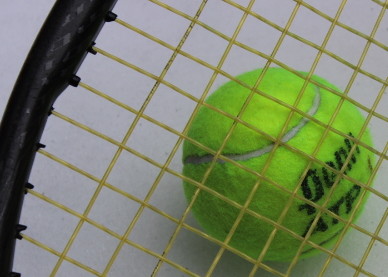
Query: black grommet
(40, 145)
(20, 228)
(91, 50)
(28, 186)
(51, 111)
(110, 16)
(74, 81)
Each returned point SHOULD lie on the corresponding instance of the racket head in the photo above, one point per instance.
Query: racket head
(234, 68)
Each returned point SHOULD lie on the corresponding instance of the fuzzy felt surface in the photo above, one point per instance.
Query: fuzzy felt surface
(286, 168)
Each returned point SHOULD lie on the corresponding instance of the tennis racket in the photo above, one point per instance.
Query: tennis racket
(90, 141)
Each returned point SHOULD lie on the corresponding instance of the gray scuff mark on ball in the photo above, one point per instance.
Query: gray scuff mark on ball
(257, 153)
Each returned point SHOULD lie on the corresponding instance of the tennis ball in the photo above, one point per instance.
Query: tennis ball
(251, 149)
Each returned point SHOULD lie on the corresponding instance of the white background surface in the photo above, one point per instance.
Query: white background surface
(19, 24)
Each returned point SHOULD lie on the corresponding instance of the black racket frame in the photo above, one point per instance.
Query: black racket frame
(57, 53)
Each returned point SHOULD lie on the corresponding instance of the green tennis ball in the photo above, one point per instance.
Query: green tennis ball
(251, 149)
